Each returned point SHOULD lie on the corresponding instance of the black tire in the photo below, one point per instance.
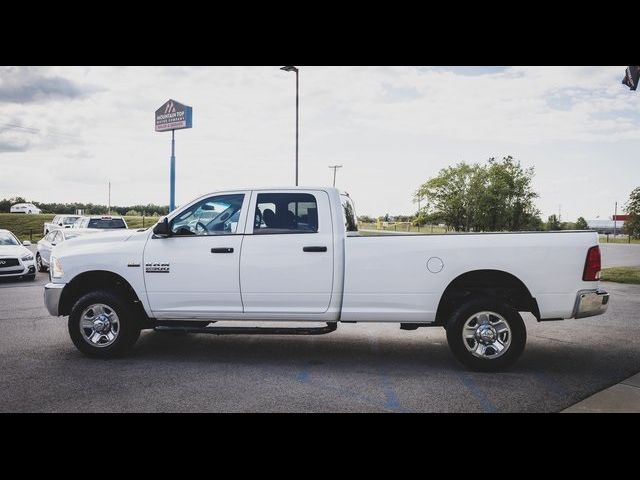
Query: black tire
(41, 267)
(458, 345)
(129, 327)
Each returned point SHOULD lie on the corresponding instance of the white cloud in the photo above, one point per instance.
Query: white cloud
(391, 128)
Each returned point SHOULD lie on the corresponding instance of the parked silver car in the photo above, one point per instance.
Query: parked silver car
(16, 261)
(52, 239)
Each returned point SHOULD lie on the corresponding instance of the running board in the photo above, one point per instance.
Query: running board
(331, 326)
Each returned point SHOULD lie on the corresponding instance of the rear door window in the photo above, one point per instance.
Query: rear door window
(278, 213)
(106, 223)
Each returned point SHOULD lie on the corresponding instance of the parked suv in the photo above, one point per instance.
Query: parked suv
(16, 261)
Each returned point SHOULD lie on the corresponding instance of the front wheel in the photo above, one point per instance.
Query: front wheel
(102, 325)
(486, 335)
(39, 264)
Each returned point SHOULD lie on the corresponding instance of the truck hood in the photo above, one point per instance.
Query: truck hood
(108, 236)
(14, 251)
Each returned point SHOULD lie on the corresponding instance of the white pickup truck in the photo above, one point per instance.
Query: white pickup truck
(295, 254)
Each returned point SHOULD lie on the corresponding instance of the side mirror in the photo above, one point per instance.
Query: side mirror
(162, 228)
(26, 243)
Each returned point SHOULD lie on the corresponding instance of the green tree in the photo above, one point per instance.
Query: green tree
(632, 208)
(581, 224)
(491, 197)
(366, 219)
(553, 223)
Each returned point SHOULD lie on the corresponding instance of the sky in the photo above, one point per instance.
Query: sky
(65, 132)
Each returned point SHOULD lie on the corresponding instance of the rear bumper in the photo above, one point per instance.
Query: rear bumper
(52, 294)
(590, 303)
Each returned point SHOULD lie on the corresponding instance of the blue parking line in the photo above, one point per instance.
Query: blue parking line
(303, 376)
(469, 382)
(389, 392)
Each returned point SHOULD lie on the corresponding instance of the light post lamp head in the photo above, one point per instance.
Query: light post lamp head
(289, 68)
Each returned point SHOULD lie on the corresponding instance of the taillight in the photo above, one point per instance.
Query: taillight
(592, 265)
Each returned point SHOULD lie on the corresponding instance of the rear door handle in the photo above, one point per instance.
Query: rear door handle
(314, 249)
(222, 250)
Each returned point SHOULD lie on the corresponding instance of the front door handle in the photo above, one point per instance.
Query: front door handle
(222, 250)
(314, 249)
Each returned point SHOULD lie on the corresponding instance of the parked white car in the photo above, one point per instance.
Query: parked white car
(29, 208)
(101, 222)
(294, 254)
(53, 238)
(60, 221)
(16, 261)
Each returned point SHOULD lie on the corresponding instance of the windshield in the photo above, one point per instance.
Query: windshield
(106, 223)
(8, 239)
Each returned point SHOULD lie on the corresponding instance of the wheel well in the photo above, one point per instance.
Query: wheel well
(98, 280)
(491, 283)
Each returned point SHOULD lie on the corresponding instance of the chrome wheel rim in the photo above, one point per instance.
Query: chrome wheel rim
(486, 335)
(99, 325)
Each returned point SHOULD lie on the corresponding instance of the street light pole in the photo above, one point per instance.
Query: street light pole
(291, 68)
(335, 169)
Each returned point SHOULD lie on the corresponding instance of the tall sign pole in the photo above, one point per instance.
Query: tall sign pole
(173, 115)
(172, 194)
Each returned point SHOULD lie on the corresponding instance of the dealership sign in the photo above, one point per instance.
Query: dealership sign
(173, 116)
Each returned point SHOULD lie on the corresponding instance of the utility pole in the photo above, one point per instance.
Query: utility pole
(335, 168)
(560, 213)
(109, 198)
(615, 220)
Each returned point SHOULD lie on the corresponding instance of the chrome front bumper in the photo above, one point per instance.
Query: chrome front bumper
(52, 293)
(590, 303)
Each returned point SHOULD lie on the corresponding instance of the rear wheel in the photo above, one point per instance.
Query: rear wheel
(486, 334)
(102, 325)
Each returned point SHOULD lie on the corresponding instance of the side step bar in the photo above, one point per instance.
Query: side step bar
(331, 326)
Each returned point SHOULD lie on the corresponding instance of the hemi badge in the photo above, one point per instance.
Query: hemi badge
(133, 264)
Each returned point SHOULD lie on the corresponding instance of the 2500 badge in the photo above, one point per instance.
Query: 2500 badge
(156, 267)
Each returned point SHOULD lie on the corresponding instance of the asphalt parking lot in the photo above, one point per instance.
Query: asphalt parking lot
(358, 368)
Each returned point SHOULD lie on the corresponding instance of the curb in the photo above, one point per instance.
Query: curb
(623, 397)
